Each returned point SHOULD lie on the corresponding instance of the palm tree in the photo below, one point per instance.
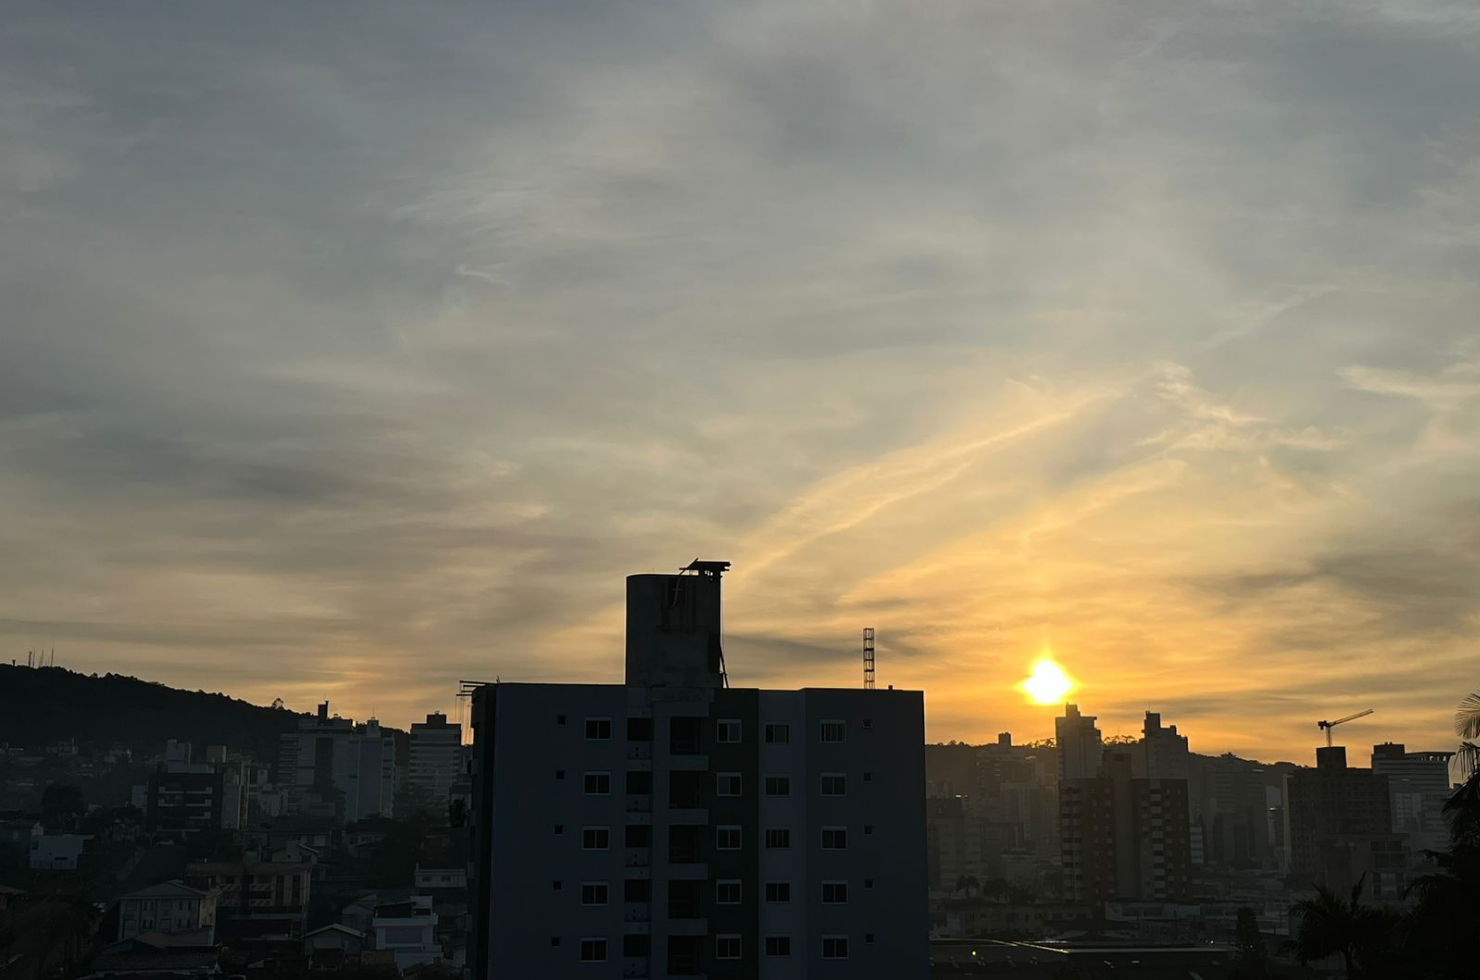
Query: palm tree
(1330, 925)
(1463, 808)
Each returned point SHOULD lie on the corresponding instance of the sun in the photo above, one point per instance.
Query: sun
(1048, 683)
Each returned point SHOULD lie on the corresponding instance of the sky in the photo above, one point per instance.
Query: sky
(349, 350)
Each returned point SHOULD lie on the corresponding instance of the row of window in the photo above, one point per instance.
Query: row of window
(727, 731)
(727, 837)
(640, 783)
(727, 946)
(726, 891)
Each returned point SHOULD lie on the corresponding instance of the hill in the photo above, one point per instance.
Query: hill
(40, 706)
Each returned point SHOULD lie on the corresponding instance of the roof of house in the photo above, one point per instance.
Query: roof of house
(174, 888)
(336, 927)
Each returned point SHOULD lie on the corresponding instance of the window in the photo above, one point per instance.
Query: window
(834, 838)
(594, 892)
(555, 885)
(778, 838)
(727, 730)
(727, 947)
(868, 884)
(560, 719)
(868, 939)
(685, 789)
(868, 724)
(868, 830)
(598, 783)
(778, 891)
(868, 777)
(727, 838)
(834, 784)
(684, 735)
(559, 773)
(727, 784)
(637, 944)
(599, 728)
(727, 892)
(835, 947)
(593, 951)
(637, 890)
(595, 838)
(560, 830)
(834, 892)
(778, 945)
(833, 731)
(554, 940)
(637, 835)
(683, 843)
(778, 785)
(778, 734)
(640, 782)
(639, 729)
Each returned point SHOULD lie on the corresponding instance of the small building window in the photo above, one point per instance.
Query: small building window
(868, 777)
(560, 719)
(778, 734)
(868, 939)
(778, 945)
(834, 784)
(727, 784)
(595, 838)
(598, 784)
(778, 892)
(727, 838)
(727, 731)
(595, 892)
(554, 940)
(868, 884)
(833, 731)
(727, 947)
(868, 830)
(778, 785)
(593, 950)
(835, 947)
(559, 773)
(560, 830)
(868, 724)
(599, 729)
(778, 838)
(727, 891)
(834, 838)
(834, 892)
(555, 885)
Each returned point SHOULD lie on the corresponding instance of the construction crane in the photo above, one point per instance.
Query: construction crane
(1328, 725)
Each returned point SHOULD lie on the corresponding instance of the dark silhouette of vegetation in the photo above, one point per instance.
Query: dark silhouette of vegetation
(62, 807)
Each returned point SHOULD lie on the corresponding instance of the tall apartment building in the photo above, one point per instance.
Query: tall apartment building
(1080, 746)
(327, 757)
(435, 758)
(261, 901)
(1340, 827)
(1418, 785)
(1161, 753)
(675, 826)
(1124, 837)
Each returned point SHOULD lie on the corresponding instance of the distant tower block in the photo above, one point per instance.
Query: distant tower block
(868, 658)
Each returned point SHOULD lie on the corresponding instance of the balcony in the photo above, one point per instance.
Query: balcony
(639, 804)
(638, 857)
(636, 912)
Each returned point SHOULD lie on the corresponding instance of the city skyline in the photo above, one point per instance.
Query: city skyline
(349, 367)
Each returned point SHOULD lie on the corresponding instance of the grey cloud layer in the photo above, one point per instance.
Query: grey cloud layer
(353, 348)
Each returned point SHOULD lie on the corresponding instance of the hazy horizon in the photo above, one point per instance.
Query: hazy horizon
(352, 350)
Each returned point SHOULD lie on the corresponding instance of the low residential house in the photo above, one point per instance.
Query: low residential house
(154, 954)
(333, 946)
(58, 852)
(168, 907)
(409, 930)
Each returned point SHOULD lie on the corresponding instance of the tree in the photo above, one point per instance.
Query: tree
(1330, 925)
(62, 806)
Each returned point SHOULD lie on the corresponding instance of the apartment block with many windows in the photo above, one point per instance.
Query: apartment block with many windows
(674, 826)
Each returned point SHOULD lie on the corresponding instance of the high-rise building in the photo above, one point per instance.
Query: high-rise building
(1124, 837)
(1418, 785)
(1161, 753)
(1340, 827)
(333, 758)
(435, 758)
(1079, 743)
(676, 826)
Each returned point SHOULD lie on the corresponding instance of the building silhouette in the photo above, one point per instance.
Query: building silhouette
(1418, 785)
(676, 826)
(329, 762)
(434, 758)
(1079, 743)
(1341, 827)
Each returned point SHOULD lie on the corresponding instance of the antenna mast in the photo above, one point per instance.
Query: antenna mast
(868, 658)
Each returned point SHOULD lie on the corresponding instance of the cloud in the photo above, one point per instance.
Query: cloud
(363, 363)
